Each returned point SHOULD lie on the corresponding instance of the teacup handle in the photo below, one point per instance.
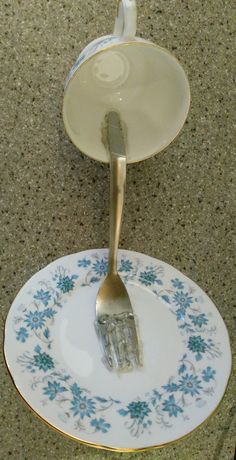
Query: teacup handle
(126, 20)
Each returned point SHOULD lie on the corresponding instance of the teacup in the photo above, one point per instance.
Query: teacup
(142, 81)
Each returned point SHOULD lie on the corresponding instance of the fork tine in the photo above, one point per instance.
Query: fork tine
(119, 340)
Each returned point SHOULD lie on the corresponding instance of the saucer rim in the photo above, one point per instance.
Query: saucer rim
(76, 438)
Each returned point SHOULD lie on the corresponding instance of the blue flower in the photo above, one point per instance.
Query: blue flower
(49, 312)
(199, 320)
(43, 296)
(75, 389)
(84, 263)
(182, 299)
(208, 374)
(197, 344)
(53, 389)
(66, 283)
(83, 406)
(177, 283)
(22, 334)
(171, 407)
(149, 277)
(189, 384)
(170, 387)
(100, 267)
(100, 425)
(125, 266)
(138, 410)
(43, 361)
(35, 319)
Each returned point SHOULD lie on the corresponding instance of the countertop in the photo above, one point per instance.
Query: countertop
(180, 204)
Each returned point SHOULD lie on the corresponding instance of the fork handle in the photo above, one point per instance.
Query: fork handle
(117, 194)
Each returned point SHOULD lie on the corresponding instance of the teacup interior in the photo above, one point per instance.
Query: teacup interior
(144, 83)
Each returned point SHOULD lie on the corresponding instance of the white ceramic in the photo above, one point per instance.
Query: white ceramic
(142, 81)
(53, 353)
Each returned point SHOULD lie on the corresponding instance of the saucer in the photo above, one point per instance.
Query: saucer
(55, 359)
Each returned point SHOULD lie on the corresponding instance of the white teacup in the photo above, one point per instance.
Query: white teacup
(142, 81)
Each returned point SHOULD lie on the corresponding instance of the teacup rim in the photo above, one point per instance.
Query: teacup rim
(137, 41)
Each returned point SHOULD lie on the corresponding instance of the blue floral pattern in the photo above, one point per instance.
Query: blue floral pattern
(66, 283)
(43, 361)
(100, 425)
(39, 361)
(83, 406)
(93, 48)
(38, 319)
(197, 344)
(182, 299)
(199, 320)
(100, 267)
(192, 383)
(53, 389)
(171, 387)
(208, 374)
(176, 283)
(22, 334)
(138, 412)
(171, 406)
(43, 296)
(125, 266)
(58, 387)
(84, 263)
(149, 277)
(35, 320)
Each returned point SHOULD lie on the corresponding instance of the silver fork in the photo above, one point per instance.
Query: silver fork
(115, 321)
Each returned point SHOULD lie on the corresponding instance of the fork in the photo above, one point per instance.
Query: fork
(115, 322)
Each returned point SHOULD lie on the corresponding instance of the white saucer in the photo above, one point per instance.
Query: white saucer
(53, 354)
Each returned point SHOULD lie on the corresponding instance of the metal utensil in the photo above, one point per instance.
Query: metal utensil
(115, 321)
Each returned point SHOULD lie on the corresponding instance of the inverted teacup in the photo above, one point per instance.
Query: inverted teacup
(140, 80)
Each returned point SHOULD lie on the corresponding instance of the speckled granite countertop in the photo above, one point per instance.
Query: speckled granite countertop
(180, 205)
